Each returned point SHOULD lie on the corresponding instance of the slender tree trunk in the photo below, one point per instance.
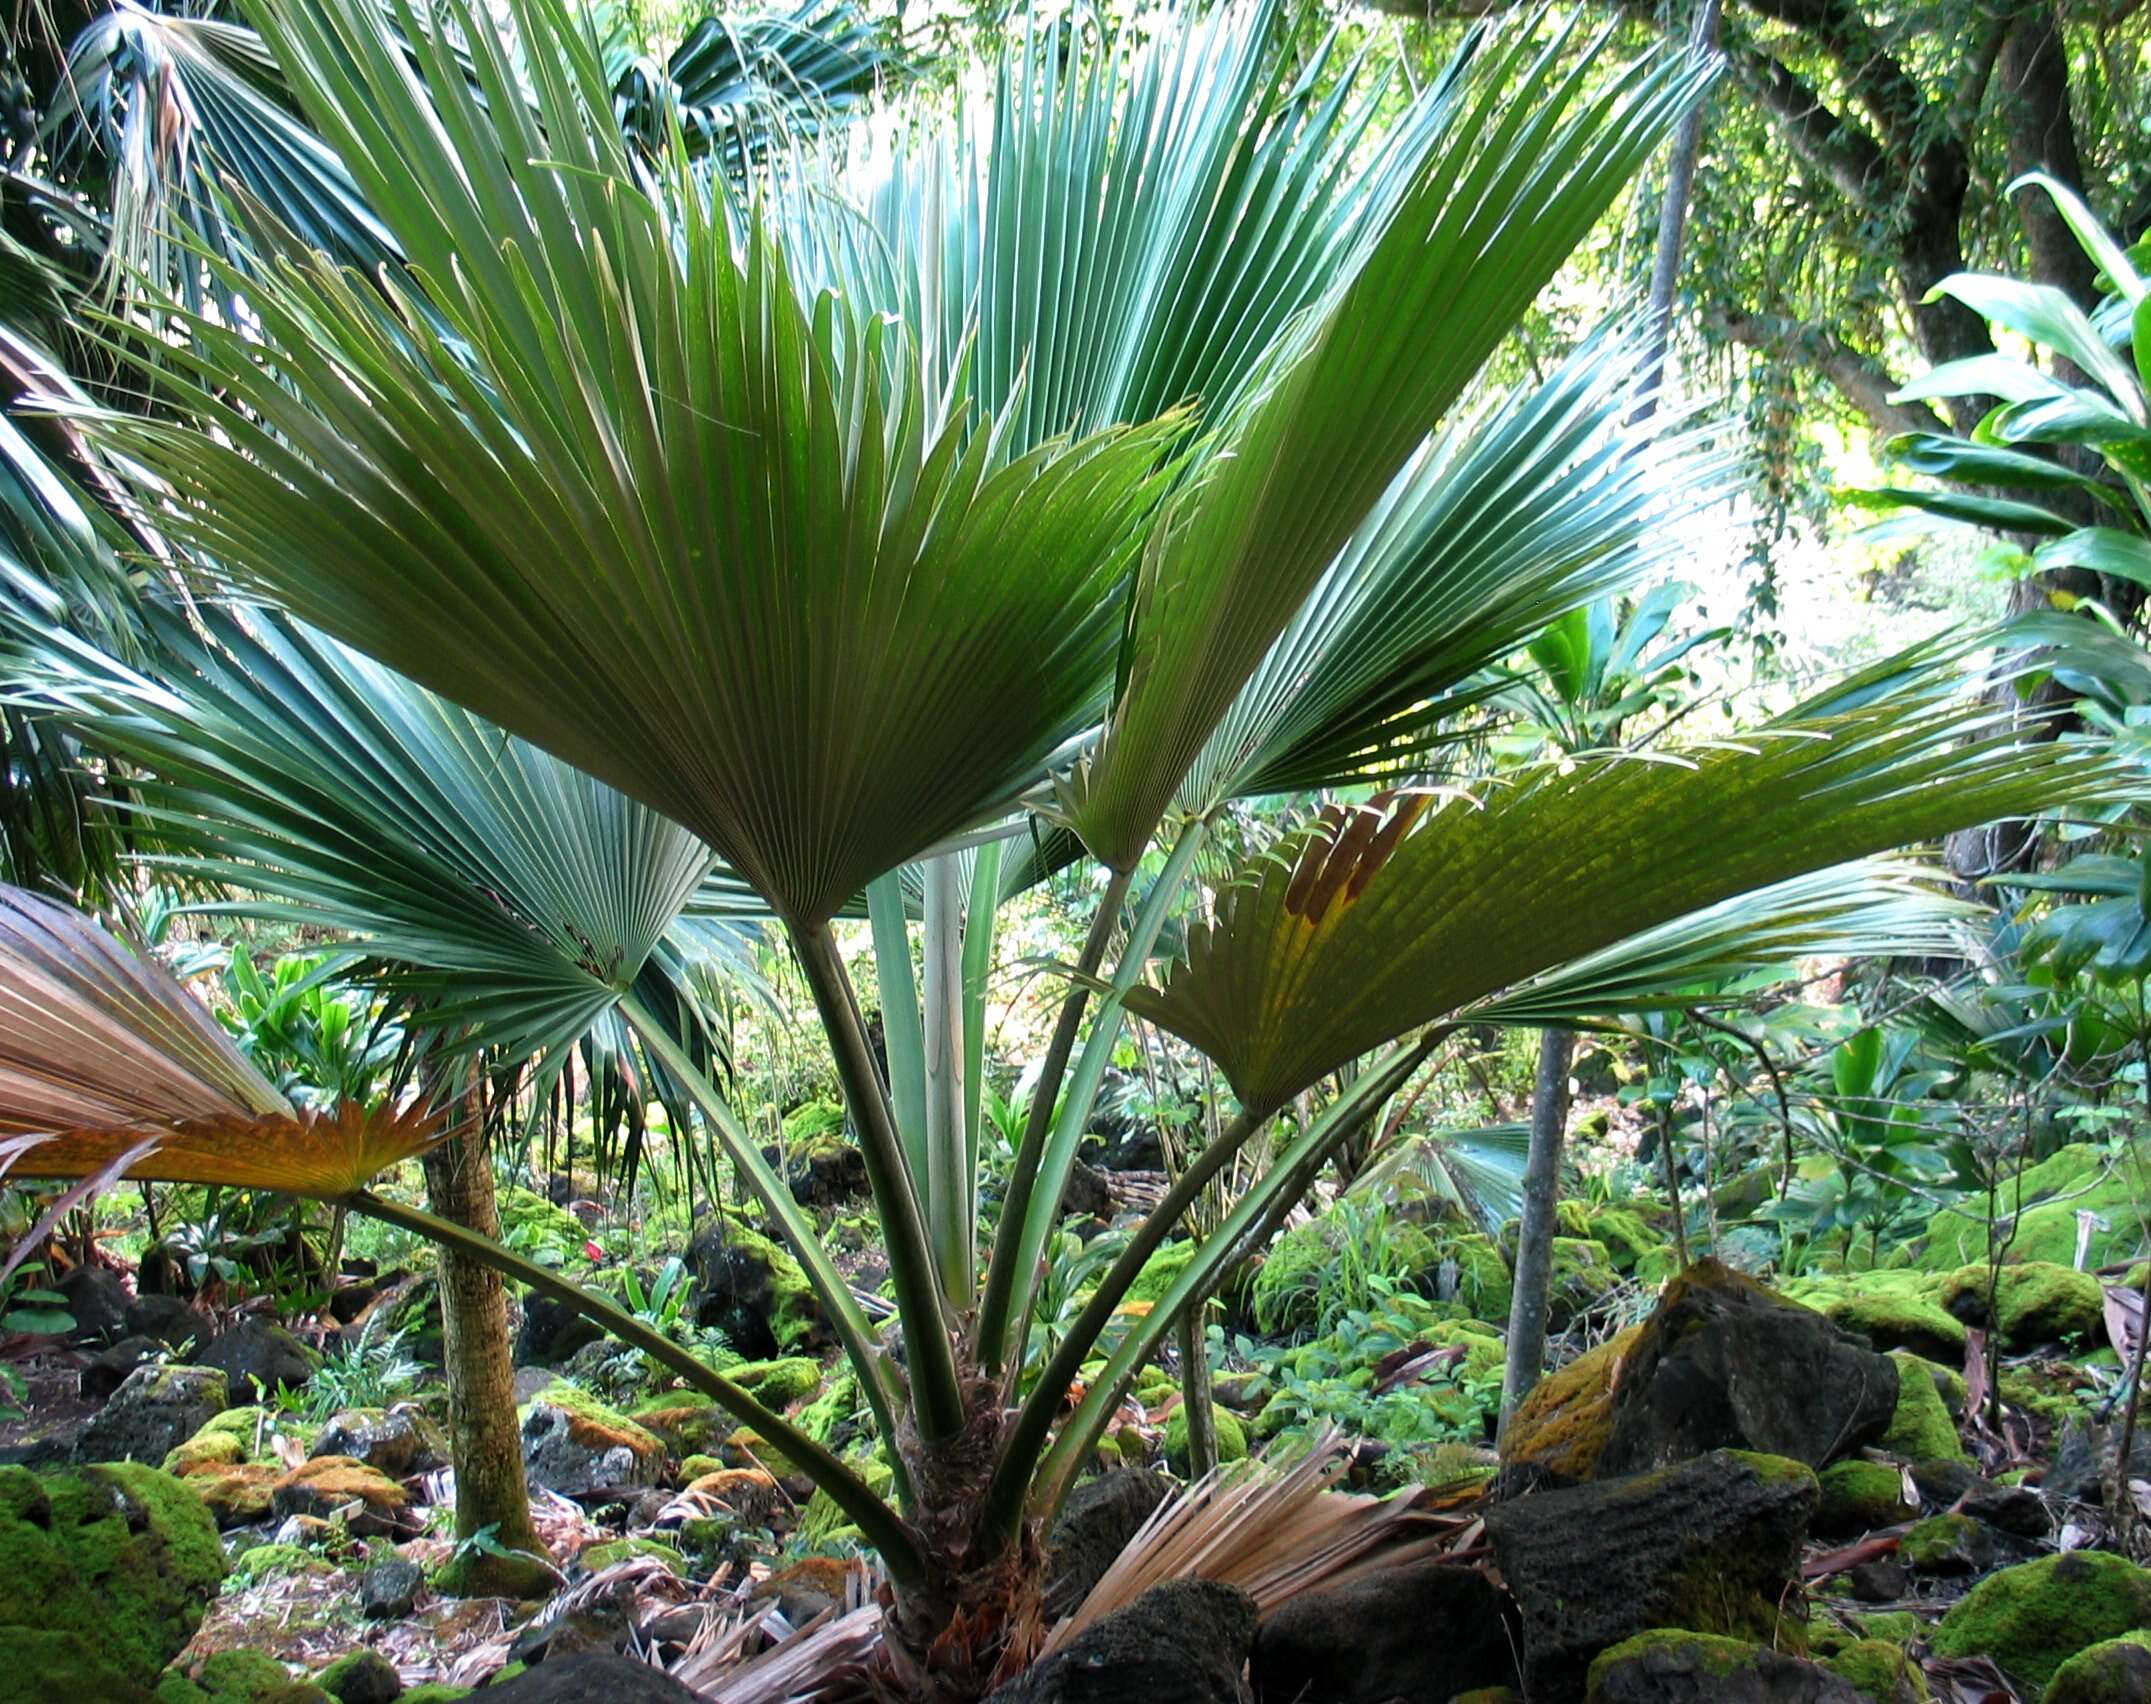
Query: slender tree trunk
(1195, 1389)
(1673, 220)
(483, 1433)
(1535, 1230)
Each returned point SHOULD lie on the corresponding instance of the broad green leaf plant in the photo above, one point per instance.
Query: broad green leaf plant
(1098, 469)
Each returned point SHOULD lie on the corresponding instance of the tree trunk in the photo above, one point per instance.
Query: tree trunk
(1535, 1230)
(491, 1496)
(1673, 220)
(1195, 1389)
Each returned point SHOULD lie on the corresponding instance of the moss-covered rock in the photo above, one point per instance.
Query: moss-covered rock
(1947, 1544)
(622, 1549)
(1557, 1433)
(327, 1484)
(2034, 1617)
(1880, 1671)
(1891, 1309)
(361, 1676)
(1627, 1237)
(436, 1692)
(266, 1561)
(235, 1496)
(778, 1383)
(572, 1442)
(2078, 1178)
(1484, 1285)
(2036, 1301)
(211, 1450)
(1859, 1496)
(1921, 1428)
(104, 1575)
(227, 1677)
(1672, 1663)
(534, 1226)
(1581, 1276)
(1231, 1439)
(2115, 1671)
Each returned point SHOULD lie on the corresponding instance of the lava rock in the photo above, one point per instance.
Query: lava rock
(1425, 1630)
(552, 1331)
(388, 1591)
(829, 1174)
(2086, 1450)
(592, 1678)
(97, 1297)
(2115, 1672)
(399, 1441)
(1095, 1526)
(1183, 1642)
(1667, 1667)
(1726, 1364)
(362, 1676)
(153, 1412)
(1711, 1544)
(753, 1291)
(167, 1319)
(1884, 1580)
(1088, 1195)
(258, 1356)
(109, 1368)
(574, 1445)
(321, 1487)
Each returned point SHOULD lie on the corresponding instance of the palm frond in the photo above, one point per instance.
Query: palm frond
(104, 1058)
(1376, 922)
(1527, 165)
(509, 891)
(1485, 537)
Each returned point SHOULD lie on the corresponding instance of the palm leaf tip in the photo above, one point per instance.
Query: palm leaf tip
(1382, 921)
(108, 1065)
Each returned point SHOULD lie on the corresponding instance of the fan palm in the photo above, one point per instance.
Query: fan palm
(810, 576)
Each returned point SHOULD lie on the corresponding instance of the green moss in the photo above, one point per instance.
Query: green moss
(694, 1467)
(1559, 1430)
(1704, 1653)
(2075, 1179)
(1880, 1671)
(107, 1568)
(1897, 1626)
(620, 1549)
(1945, 1544)
(1921, 1428)
(1858, 1496)
(1892, 1310)
(1627, 1237)
(2032, 1618)
(2036, 1301)
(594, 1425)
(1582, 1274)
(778, 1383)
(363, 1671)
(434, 1692)
(227, 1677)
(1231, 1439)
(795, 1312)
(2110, 1672)
(266, 1561)
(219, 1449)
(1483, 1283)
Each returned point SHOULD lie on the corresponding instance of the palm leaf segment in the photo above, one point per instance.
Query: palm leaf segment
(524, 896)
(105, 1059)
(1378, 922)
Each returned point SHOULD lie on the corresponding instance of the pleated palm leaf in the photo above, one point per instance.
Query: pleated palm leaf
(814, 583)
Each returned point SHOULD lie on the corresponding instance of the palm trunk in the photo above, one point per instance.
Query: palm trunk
(487, 1442)
(1195, 1389)
(1535, 1230)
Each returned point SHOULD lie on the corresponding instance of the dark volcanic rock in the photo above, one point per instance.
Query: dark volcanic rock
(108, 1369)
(1095, 1526)
(552, 1331)
(388, 1591)
(1726, 1364)
(1426, 1630)
(156, 1409)
(594, 1678)
(258, 1356)
(97, 1297)
(1184, 1642)
(167, 1319)
(1711, 1544)
(1684, 1668)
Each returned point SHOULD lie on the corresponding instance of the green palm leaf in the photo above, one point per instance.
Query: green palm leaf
(1554, 500)
(1379, 922)
(1527, 166)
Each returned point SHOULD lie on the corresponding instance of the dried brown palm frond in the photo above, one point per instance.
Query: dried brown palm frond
(1275, 1535)
(109, 1068)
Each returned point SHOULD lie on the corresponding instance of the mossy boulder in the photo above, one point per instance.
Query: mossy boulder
(2114, 1671)
(2036, 1301)
(1859, 1496)
(573, 1443)
(778, 1383)
(1947, 1544)
(1558, 1432)
(623, 1549)
(228, 1677)
(1891, 1309)
(1625, 1234)
(106, 1573)
(361, 1676)
(532, 1225)
(1881, 1673)
(1581, 1277)
(2080, 1178)
(329, 1485)
(235, 1496)
(267, 1561)
(202, 1451)
(1712, 1545)
(1231, 1439)
(750, 1288)
(1920, 1427)
(1666, 1664)
(154, 1411)
(1479, 1273)
(2034, 1617)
